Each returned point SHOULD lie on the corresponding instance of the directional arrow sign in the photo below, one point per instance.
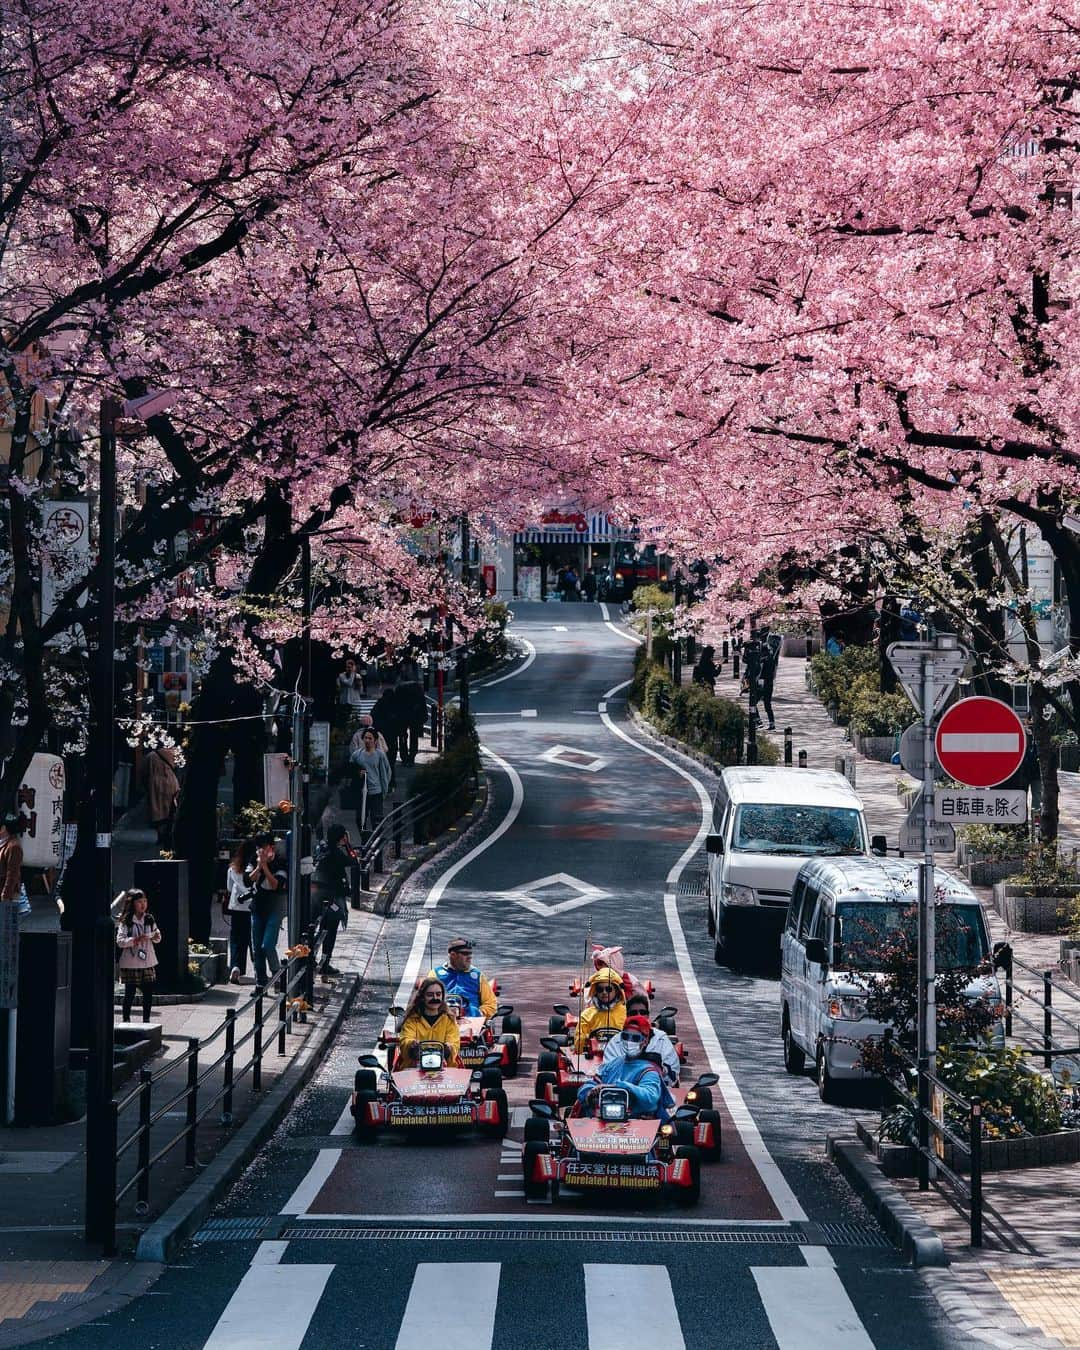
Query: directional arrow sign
(907, 659)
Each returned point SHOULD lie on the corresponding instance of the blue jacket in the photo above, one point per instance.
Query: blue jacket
(462, 984)
(643, 1080)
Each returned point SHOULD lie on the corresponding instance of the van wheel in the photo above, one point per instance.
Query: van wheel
(794, 1057)
(710, 922)
(826, 1088)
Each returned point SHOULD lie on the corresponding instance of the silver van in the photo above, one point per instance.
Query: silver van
(766, 822)
(840, 909)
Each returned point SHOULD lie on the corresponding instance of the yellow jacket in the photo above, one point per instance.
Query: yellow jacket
(593, 1018)
(417, 1028)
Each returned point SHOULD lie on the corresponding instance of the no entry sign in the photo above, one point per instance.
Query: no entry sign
(980, 742)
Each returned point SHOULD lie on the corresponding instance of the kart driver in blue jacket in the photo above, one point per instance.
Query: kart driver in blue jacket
(461, 982)
(640, 1076)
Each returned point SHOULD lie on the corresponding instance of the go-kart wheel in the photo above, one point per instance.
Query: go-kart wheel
(689, 1195)
(547, 1061)
(712, 1118)
(567, 1094)
(556, 1026)
(498, 1131)
(666, 1024)
(363, 1133)
(534, 1190)
(537, 1128)
(511, 1024)
(509, 1069)
(365, 1080)
(702, 1099)
(491, 1080)
(545, 1080)
(684, 1131)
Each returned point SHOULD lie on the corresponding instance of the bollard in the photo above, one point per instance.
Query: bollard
(230, 1053)
(192, 1101)
(434, 724)
(802, 759)
(724, 651)
(735, 665)
(283, 1008)
(1048, 1018)
(256, 1045)
(787, 745)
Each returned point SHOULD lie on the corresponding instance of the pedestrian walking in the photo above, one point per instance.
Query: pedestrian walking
(588, 583)
(11, 856)
(351, 688)
(375, 767)
(357, 742)
(270, 882)
(770, 661)
(136, 936)
(330, 890)
(238, 901)
(706, 671)
(411, 711)
(162, 790)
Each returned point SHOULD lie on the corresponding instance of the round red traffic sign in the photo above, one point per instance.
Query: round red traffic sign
(980, 742)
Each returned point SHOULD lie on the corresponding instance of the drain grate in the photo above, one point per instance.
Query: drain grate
(231, 1230)
(770, 1236)
(692, 883)
(853, 1235)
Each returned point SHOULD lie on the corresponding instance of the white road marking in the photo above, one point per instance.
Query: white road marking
(312, 1184)
(627, 637)
(783, 1197)
(631, 1305)
(487, 684)
(516, 800)
(527, 896)
(564, 756)
(518, 1116)
(602, 707)
(518, 1194)
(344, 1121)
(269, 1253)
(809, 1308)
(605, 612)
(508, 1176)
(437, 1315)
(560, 628)
(818, 1256)
(271, 1308)
(528, 712)
(430, 1220)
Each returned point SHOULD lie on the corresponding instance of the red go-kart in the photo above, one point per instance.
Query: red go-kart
(564, 1021)
(430, 1097)
(479, 1039)
(611, 1151)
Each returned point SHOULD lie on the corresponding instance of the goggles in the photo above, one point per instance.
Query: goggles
(633, 1037)
(461, 950)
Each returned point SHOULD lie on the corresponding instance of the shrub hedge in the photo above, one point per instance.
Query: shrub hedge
(451, 776)
(852, 682)
(689, 713)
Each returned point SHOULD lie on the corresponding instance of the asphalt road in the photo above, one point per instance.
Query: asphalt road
(592, 836)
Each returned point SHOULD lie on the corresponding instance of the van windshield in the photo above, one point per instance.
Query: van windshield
(806, 830)
(863, 928)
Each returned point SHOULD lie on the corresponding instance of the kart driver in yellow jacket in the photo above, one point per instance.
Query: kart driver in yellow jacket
(427, 1018)
(606, 1006)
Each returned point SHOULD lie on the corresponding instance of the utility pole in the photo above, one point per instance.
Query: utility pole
(466, 581)
(299, 753)
(100, 1217)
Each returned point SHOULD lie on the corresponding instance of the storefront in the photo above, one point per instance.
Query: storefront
(561, 540)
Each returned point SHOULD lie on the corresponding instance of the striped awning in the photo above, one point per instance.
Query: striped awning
(593, 527)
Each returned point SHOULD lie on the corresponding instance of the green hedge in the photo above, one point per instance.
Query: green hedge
(451, 776)
(852, 681)
(689, 713)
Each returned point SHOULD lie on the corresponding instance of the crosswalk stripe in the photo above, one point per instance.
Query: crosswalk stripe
(809, 1308)
(631, 1305)
(293, 1292)
(437, 1315)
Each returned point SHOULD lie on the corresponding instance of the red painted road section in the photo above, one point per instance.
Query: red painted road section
(401, 1176)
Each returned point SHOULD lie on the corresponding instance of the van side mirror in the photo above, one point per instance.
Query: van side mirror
(879, 845)
(816, 953)
(714, 843)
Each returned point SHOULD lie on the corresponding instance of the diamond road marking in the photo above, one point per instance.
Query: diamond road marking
(560, 628)
(526, 895)
(570, 758)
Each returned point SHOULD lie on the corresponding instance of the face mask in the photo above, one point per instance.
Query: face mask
(635, 1044)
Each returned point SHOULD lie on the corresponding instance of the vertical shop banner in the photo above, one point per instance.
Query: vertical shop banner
(41, 801)
(65, 551)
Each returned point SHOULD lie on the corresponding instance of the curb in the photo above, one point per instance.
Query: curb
(109, 1296)
(184, 1216)
(915, 1238)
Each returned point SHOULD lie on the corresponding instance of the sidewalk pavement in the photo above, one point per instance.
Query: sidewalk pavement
(1023, 1286)
(50, 1279)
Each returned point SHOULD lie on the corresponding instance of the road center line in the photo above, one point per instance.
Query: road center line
(519, 670)
(783, 1197)
(318, 1174)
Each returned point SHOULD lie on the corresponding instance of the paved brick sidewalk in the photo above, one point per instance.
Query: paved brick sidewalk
(1023, 1288)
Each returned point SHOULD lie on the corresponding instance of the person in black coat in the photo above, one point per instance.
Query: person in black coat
(706, 670)
(411, 711)
(386, 718)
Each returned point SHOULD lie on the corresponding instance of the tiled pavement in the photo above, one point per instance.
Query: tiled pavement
(1023, 1287)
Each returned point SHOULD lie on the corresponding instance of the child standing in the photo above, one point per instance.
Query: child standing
(136, 936)
(238, 900)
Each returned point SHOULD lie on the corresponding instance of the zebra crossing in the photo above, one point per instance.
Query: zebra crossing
(803, 1306)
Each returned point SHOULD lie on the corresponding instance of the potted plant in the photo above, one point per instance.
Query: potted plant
(1041, 896)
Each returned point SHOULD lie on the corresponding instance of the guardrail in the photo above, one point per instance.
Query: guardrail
(273, 1003)
(1018, 999)
(928, 1125)
(410, 815)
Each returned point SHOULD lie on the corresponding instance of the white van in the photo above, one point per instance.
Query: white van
(839, 908)
(766, 822)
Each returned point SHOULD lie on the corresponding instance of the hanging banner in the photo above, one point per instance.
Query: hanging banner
(65, 548)
(41, 802)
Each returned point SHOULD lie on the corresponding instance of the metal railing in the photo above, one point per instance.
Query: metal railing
(930, 1124)
(1047, 1015)
(411, 815)
(276, 1003)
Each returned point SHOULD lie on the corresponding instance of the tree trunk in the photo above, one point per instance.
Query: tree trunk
(1049, 815)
